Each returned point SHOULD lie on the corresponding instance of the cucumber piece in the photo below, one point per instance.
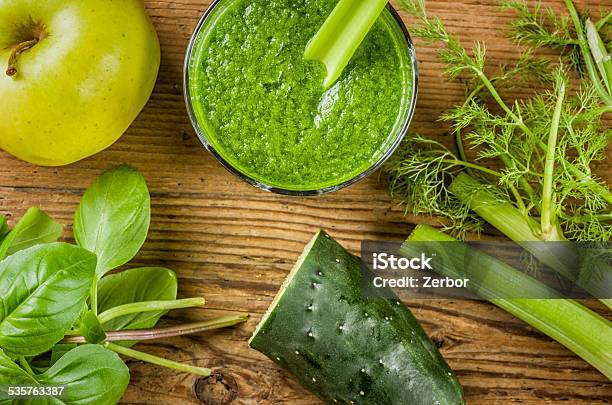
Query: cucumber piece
(346, 348)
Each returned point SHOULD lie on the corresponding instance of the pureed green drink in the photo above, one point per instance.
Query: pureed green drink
(262, 108)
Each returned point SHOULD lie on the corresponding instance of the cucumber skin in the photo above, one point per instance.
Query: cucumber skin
(325, 333)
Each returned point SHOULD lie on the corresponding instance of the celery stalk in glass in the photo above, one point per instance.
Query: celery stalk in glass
(341, 34)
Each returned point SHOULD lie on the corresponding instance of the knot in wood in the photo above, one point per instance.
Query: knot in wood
(217, 389)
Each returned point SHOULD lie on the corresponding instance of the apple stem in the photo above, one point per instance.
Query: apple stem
(18, 49)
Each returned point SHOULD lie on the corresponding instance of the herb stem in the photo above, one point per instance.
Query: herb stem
(519, 200)
(586, 53)
(458, 138)
(149, 306)
(548, 213)
(93, 296)
(26, 366)
(487, 83)
(588, 218)
(149, 358)
(460, 146)
(600, 54)
(469, 165)
(501, 102)
(172, 331)
(603, 21)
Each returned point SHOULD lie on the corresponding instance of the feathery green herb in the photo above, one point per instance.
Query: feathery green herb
(523, 166)
(531, 160)
(543, 147)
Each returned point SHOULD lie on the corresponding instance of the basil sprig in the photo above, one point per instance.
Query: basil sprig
(63, 318)
(113, 217)
(44, 288)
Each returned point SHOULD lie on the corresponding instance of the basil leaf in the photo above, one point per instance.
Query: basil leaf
(113, 217)
(11, 374)
(42, 292)
(34, 228)
(59, 350)
(91, 374)
(91, 329)
(136, 285)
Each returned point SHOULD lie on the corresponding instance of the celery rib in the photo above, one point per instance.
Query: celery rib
(341, 34)
(581, 330)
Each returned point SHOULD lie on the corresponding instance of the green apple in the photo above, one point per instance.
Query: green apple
(76, 74)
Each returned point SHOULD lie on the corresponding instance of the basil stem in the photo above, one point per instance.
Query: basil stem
(26, 366)
(172, 331)
(160, 361)
(149, 306)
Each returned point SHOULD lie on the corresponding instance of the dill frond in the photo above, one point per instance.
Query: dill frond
(515, 140)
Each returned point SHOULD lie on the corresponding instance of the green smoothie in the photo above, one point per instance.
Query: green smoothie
(264, 110)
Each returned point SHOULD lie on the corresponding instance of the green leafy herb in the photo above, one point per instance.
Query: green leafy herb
(543, 148)
(92, 375)
(575, 36)
(49, 296)
(113, 217)
(44, 289)
(136, 285)
(11, 373)
(34, 228)
(542, 27)
(91, 328)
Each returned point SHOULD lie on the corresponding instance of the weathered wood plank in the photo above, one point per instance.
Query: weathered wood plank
(234, 244)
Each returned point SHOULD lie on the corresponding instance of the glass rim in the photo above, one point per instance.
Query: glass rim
(300, 193)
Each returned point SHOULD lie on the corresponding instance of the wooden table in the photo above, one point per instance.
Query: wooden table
(234, 244)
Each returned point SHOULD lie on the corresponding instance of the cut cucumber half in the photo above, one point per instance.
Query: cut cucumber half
(346, 347)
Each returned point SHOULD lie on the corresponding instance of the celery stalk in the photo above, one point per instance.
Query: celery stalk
(522, 229)
(341, 34)
(581, 330)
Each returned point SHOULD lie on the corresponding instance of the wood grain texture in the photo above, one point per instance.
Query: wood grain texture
(234, 244)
